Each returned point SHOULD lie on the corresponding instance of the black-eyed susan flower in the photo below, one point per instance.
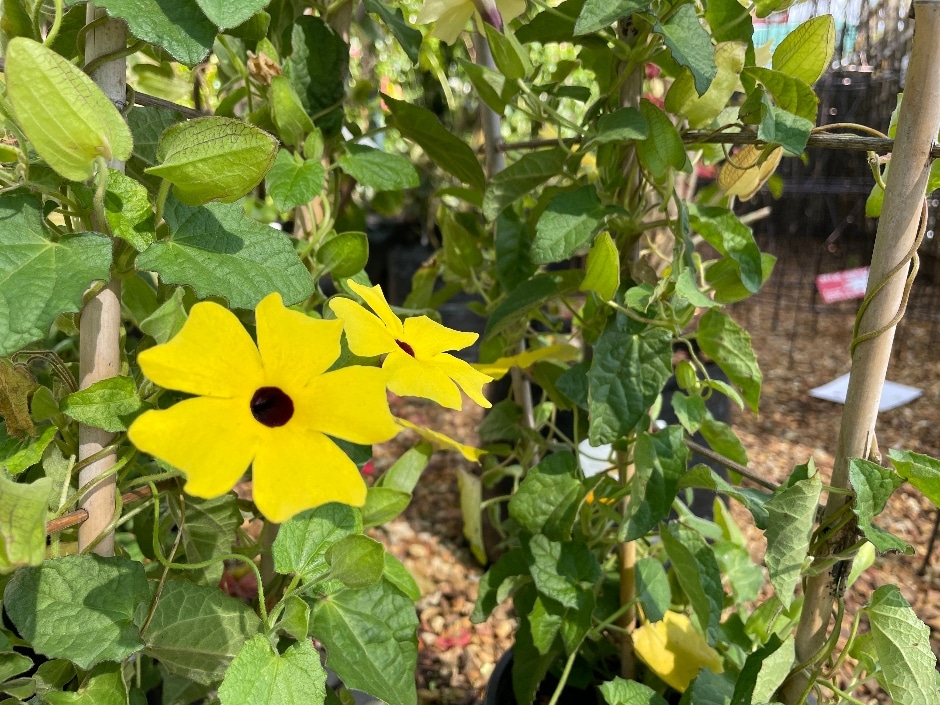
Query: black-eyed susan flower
(272, 406)
(415, 357)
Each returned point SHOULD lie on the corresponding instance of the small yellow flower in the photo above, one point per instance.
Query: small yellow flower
(451, 16)
(675, 650)
(415, 361)
(272, 406)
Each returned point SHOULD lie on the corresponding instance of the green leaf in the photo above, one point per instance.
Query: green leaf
(377, 169)
(17, 455)
(179, 26)
(873, 486)
(39, 278)
(449, 152)
(602, 273)
(147, 125)
(559, 568)
(127, 208)
(407, 36)
(552, 25)
(13, 664)
(744, 577)
(704, 477)
(697, 571)
(196, 631)
(344, 254)
(513, 247)
(213, 159)
(259, 675)
(631, 365)
(371, 641)
(598, 14)
(208, 528)
(218, 251)
(17, 386)
(105, 404)
(624, 692)
(724, 276)
(291, 182)
(786, 129)
(790, 94)
(510, 58)
(722, 229)
(723, 440)
(66, 117)
(383, 504)
(318, 69)
(356, 560)
(660, 459)
(806, 51)
(22, 522)
(621, 126)
(103, 686)
(570, 222)
(166, 321)
(687, 288)
(528, 296)
(406, 471)
(490, 85)
(304, 539)
(288, 112)
(461, 245)
(725, 342)
(471, 500)
(664, 150)
(922, 471)
(652, 588)
(792, 514)
(701, 110)
(690, 44)
(79, 607)
(231, 13)
(548, 499)
(902, 644)
(510, 564)
(521, 178)
(747, 680)
(397, 574)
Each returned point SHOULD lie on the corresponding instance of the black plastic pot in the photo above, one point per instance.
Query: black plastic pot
(499, 688)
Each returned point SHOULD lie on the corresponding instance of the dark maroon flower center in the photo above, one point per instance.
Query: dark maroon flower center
(407, 348)
(271, 407)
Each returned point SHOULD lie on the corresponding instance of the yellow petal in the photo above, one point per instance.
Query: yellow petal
(449, 26)
(375, 299)
(294, 347)
(211, 440)
(510, 9)
(443, 442)
(675, 650)
(366, 335)
(349, 403)
(428, 337)
(500, 367)
(471, 381)
(409, 377)
(294, 471)
(212, 355)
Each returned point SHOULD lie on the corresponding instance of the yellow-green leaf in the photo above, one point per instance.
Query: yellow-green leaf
(213, 159)
(603, 268)
(806, 51)
(65, 116)
(683, 99)
(675, 650)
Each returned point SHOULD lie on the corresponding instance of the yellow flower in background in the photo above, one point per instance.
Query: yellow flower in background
(416, 361)
(675, 650)
(272, 406)
(451, 16)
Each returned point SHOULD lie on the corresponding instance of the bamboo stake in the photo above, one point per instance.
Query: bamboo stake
(918, 125)
(100, 328)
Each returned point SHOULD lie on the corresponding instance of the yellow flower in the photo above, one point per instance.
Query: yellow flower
(272, 406)
(451, 16)
(675, 650)
(415, 362)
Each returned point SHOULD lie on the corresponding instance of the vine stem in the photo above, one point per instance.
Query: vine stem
(918, 125)
(100, 327)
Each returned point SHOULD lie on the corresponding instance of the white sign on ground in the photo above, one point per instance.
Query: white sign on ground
(892, 396)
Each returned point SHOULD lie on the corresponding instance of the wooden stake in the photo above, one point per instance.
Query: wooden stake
(918, 125)
(100, 328)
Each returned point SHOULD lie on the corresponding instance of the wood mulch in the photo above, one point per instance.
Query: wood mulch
(457, 657)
